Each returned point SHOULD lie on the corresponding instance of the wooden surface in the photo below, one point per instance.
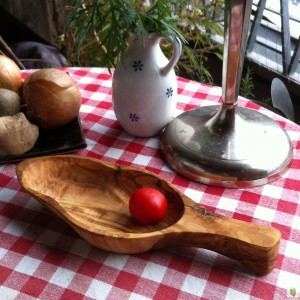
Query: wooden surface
(92, 196)
(43, 17)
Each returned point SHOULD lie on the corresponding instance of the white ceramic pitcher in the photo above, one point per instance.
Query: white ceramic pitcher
(144, 89)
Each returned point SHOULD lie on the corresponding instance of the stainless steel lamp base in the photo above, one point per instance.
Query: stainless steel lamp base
(227, 146)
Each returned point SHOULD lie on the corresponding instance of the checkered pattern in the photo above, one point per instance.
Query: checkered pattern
(42, 257)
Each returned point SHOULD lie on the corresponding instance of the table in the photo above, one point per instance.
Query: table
(42, 257)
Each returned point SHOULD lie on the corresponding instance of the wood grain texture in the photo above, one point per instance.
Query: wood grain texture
(44, 17)
(92, 196)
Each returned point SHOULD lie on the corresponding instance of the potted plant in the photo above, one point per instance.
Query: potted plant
(144, 91)
(98, 32)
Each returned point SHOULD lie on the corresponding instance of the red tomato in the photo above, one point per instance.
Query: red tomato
(148, 205)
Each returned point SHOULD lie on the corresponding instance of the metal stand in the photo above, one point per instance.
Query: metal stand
(225, 145)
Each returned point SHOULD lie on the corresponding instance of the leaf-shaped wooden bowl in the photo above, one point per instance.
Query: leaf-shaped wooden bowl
(92, 196)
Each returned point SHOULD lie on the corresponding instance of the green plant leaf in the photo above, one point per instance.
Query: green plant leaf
(98, 30)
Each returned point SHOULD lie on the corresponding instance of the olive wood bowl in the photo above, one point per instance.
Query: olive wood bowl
(92, 197)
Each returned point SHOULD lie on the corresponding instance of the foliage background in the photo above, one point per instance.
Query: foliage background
(97, 31)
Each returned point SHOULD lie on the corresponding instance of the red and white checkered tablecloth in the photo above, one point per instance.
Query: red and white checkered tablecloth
(41, 257)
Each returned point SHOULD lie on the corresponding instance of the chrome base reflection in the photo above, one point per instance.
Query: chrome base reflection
(227, 146)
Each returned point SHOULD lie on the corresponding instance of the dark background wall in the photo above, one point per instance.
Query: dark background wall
(44, 19)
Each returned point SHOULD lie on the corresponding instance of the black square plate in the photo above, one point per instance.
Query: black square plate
(66, 138)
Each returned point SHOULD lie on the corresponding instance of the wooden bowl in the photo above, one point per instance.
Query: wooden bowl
(92, 196)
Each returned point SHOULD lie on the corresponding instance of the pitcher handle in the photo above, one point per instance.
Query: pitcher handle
(177, 48)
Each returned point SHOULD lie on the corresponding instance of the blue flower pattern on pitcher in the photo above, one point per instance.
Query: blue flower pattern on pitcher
(133, 117)
(169, 92)
(137, 65)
